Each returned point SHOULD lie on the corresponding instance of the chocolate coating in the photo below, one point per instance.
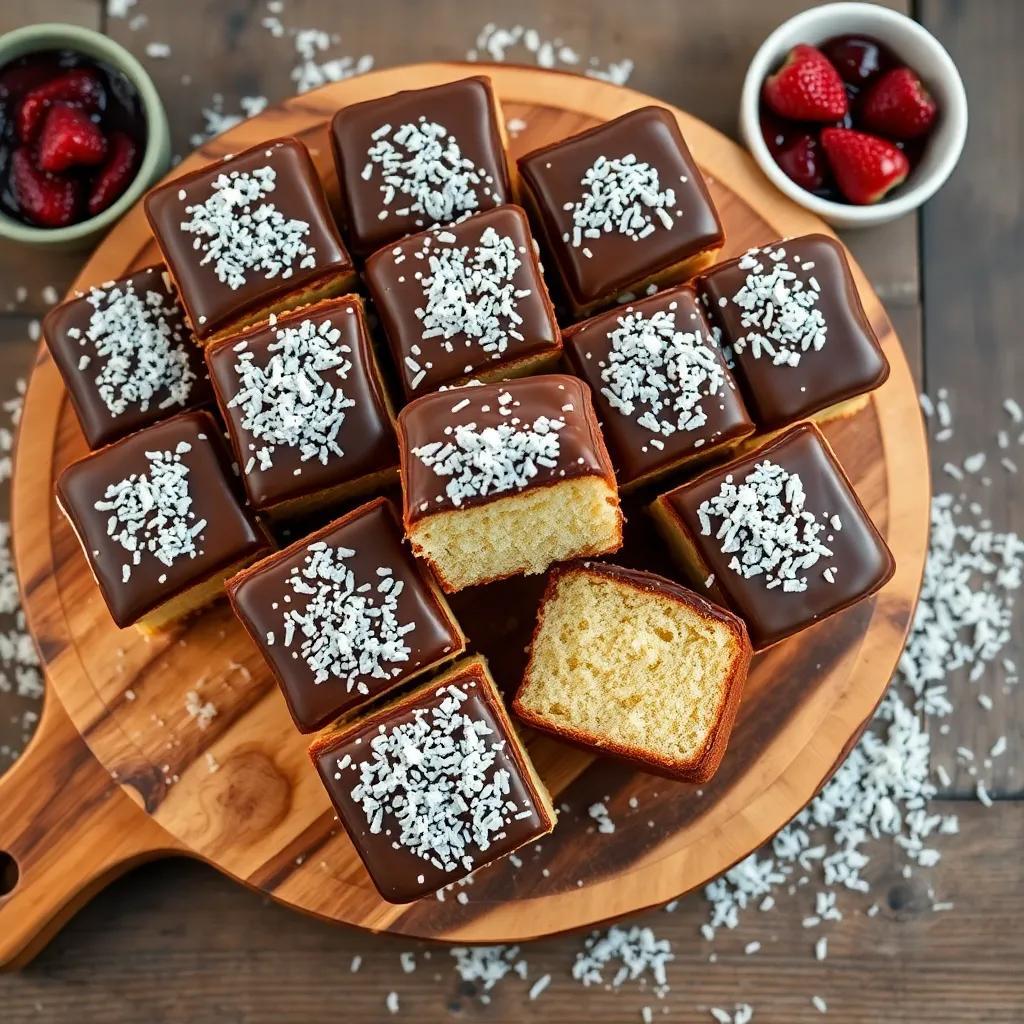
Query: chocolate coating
(850, 362)
(394, 276)
(366, 436)
(67, 331)
(556, 396)
(231, 534)
(213, 304)
(860, 555)
(466, 109)
(398, 873)
(636, 451)
(261, 594)
(553, 177)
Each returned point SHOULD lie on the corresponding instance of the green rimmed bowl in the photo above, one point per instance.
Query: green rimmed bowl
(156, 157)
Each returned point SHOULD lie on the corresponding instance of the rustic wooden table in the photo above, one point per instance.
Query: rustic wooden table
(176, 942)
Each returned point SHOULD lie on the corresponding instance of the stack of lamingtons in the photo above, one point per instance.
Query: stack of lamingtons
(249, 386)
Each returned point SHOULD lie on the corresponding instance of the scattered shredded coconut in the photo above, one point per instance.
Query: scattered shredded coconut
(599, 812)
(202, 711)
(620, 194)
(239, 232)
(765, 525)
(494, 43)
(494, 460)
(470, 293)
(140, 347)
(660, 375)
(216, 121)
(151, 513)
(296, 400)
(488, 964)
(638, 950)
(423, 172)
(343, 628)
(433, 784)
(779, 303)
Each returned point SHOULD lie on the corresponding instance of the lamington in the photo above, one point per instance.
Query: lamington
(621, 207)
(418, 159)
(633, 665)
(126, 355)
(792, 323)
(306, 408)
(779, 536)
(435, 785)
(504, 479)
(663, 392)
(464, 301)
(249, 236)
(159, 520)
(344, 616)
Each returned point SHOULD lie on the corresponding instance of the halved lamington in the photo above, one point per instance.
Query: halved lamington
(633, 665)
(504, 479)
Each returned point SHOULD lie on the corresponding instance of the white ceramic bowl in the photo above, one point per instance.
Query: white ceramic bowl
(913, 44)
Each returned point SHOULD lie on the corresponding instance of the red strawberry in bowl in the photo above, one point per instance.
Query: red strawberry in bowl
(115, 175)
(69, 138)
(865, 167)
(899, 105)
(44, 199)
(79, 87)
(806, 88)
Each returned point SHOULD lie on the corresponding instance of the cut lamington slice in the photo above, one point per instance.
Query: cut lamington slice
(306, 408)
(345, 615)
(633, 665)
(464, 301)
(249, 236)
(435, 785)
(504, 479)
(779, 536)
(418, 159)
(126, 355)
(793, 325)
(621, 207)
(159, 521)
(661, 387)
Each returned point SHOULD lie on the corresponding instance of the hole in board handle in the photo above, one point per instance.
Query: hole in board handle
(9, 874)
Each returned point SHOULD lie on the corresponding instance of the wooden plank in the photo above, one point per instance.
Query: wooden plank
(973, 235)
(230, 951)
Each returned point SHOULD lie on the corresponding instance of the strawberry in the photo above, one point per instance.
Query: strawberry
(806, 87)
(865, 167)
(69, 138)
(899, 105)
(116, 174)
(45, 199)
(79, 87)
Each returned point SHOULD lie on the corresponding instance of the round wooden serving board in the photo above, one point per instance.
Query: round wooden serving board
(119, 771)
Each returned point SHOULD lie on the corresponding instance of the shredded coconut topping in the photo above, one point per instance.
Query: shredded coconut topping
(296, 400)
(348, 629)
(422, 169)
(240, 233)
(470, 292)
(766, 526)
(141, 344)
(151, 513)
(432, 784)
(779, 303)
(659, 374)
(623, 195)
(505, 457)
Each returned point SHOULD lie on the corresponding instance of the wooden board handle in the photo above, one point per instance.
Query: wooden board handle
(66, 830)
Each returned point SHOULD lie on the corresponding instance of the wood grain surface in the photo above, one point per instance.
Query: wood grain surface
(262, 817)
(233, 957)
